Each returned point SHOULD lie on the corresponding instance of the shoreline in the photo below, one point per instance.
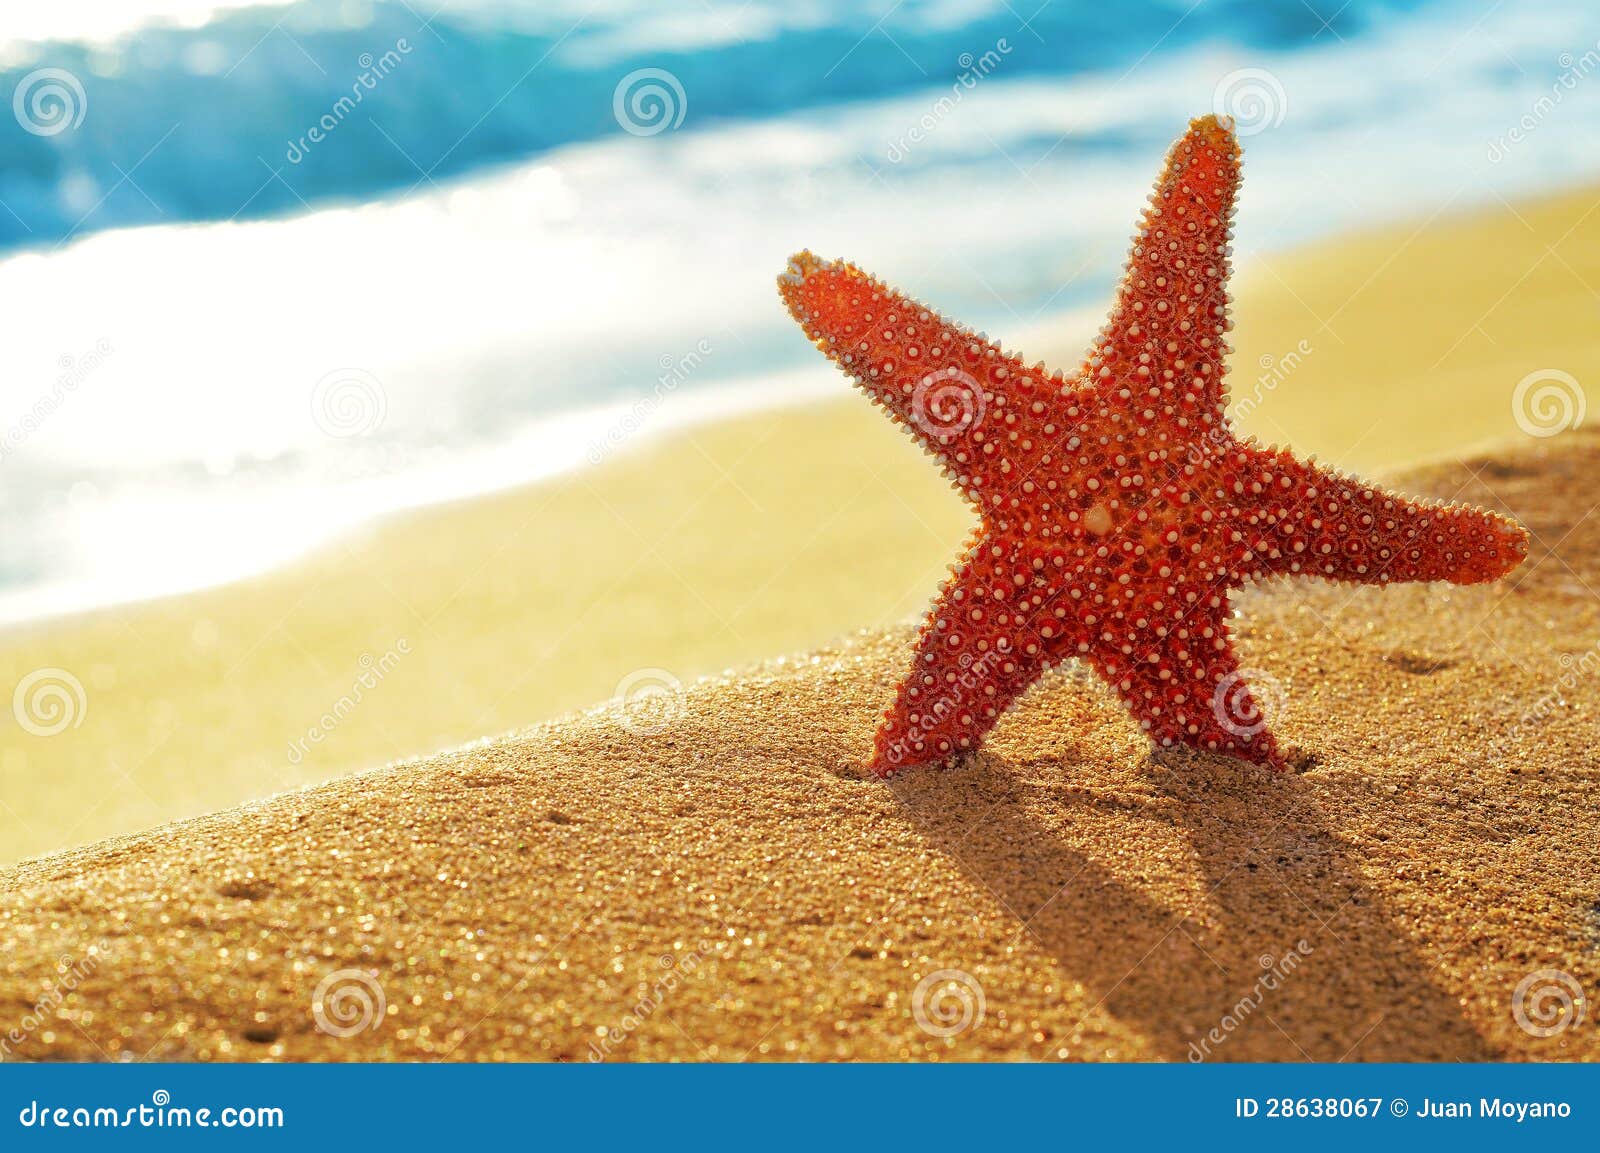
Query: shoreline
(1058, 339)
(601, 431)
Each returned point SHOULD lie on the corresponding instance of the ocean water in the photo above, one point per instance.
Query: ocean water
(245, 309)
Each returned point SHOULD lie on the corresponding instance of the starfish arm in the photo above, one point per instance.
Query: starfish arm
(1192, 690)
(984, 641)
(1301, 519)
(1162, 350)
(945, 384)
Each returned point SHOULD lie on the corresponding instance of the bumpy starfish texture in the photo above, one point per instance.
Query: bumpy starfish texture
(1118, 509)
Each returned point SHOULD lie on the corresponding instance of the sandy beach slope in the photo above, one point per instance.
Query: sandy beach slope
(719, 879)
(728, 543)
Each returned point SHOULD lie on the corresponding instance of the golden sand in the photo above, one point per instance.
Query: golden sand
(717, 878)
(725, 543)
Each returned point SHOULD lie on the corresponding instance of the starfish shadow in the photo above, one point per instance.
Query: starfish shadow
(1272, 948)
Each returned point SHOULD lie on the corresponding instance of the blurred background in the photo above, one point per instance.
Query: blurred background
(298, 264)
(273, 273)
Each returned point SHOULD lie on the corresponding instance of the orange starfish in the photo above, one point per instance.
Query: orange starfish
(1118, 509)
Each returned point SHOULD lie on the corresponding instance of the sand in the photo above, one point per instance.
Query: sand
(718, 878)
(728, 543)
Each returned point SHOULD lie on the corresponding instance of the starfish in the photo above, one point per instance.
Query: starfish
(1118, 509)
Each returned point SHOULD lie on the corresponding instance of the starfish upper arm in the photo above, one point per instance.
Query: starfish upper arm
(947, 385)
(1163, 345)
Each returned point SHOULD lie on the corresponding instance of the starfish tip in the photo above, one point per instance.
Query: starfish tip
(1512, 550)
(801, 265)
(1217, 127)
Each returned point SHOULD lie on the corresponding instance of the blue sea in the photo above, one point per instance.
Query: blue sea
(270, 272)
